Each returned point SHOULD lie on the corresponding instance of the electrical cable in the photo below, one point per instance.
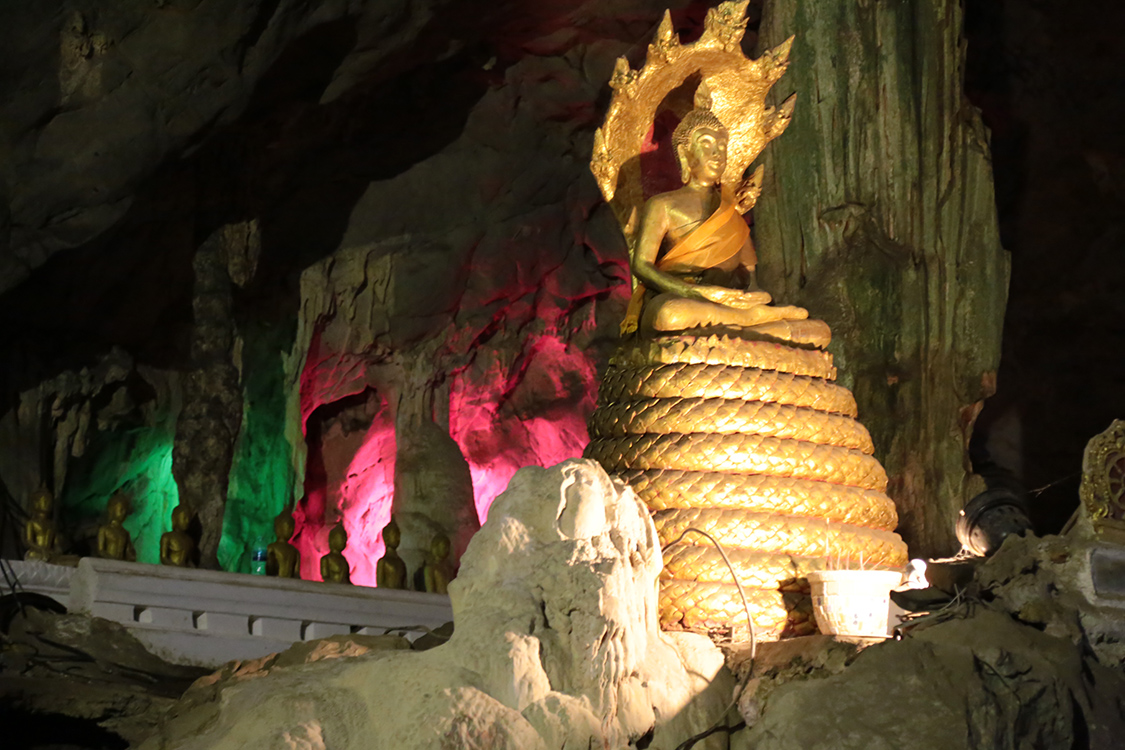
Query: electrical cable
(719, 725)
(733, 575)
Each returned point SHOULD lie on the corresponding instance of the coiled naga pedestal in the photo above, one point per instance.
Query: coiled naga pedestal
(752, 442)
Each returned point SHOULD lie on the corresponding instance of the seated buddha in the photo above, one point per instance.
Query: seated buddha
(114, 541)
(40, 535)
(334, 567)
(282, 558)
(177, 548)
(693, 258)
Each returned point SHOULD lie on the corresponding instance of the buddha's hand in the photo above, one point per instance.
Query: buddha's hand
(721, 295)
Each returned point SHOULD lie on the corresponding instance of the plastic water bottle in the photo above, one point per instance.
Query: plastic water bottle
(258, 557)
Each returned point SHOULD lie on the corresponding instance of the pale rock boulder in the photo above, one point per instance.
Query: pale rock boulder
(557, 645)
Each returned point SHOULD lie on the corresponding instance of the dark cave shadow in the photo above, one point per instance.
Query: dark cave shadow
(296, 165)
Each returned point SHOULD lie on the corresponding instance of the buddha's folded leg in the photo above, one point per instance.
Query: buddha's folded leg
(735, 298)
(812, 332)
(668, 313)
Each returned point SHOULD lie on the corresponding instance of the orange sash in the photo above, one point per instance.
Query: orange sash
(713, 242)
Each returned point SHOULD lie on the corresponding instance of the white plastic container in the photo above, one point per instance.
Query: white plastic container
(853, 602)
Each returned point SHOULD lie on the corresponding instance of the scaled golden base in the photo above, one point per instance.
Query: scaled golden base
(749, 441)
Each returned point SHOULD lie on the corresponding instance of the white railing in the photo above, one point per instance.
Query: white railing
(208, 617)
(40, 578)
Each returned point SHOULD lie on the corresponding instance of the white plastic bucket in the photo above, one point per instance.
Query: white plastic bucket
(853, 602)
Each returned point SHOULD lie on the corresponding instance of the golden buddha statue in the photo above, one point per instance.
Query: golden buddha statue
(177, 548)
(114, 542)
(437, 572)
(282, 558)
(718, 407)
(693, 247)
(390, 571)
(39, 532)
(334, 566)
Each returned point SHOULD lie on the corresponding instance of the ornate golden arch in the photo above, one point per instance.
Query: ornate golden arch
(738, 87)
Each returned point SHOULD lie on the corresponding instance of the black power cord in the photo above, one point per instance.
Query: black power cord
(720, 725)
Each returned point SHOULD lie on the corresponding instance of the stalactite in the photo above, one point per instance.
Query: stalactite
(212, 413)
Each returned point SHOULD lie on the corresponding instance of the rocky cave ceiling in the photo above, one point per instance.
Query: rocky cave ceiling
(451, 139)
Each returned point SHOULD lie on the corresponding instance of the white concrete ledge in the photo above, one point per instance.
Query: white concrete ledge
(208, 617)
(41, 578)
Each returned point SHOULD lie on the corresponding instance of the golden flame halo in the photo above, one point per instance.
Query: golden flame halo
(738, 87)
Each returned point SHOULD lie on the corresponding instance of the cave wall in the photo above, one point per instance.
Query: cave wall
(416, 176)
(1049, 83)
(878, 214)
(484, 282)
(433, 249)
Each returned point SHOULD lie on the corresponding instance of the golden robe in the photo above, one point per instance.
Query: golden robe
(712, 243)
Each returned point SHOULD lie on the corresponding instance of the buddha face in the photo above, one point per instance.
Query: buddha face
(704, 158)
(440, 546)
(337, 539)
(180, 518)
(391, 535)
(283, 526)
(117, 509)
(42, 502)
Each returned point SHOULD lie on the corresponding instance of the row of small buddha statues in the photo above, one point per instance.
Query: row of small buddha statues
(283, 559)
(114, 542)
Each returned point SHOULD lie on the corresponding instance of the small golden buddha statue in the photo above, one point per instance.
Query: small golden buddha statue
(282, 558)
(114, 542)
(39, 533)
(437, 572)
(390, 571)
(177, 548)
(334, 566)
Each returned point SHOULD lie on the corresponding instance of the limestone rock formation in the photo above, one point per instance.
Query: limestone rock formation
(556, 645)
(864, 231)
(81, 667)
(978, 680)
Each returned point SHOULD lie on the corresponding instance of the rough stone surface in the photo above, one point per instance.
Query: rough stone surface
(978, 680)
(556, 645)
(1048, 583)
(1027, 655)
(86, 668)
(878, 215)
(212, 413)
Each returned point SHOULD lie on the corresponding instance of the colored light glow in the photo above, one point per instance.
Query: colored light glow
(261, 478)
(503, 417)
(365, 498)
(497, 440)
(350, 478)
(137, 462)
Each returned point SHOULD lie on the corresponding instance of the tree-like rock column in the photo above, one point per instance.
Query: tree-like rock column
(212, 412)
(877, 213)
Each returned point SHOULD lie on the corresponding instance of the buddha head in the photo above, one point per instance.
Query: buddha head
(338, 538)
(42, 500)
(283, 526)
(700, 141)
(439, 547)
(180, 518)
(391, 535)
(117, 508)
